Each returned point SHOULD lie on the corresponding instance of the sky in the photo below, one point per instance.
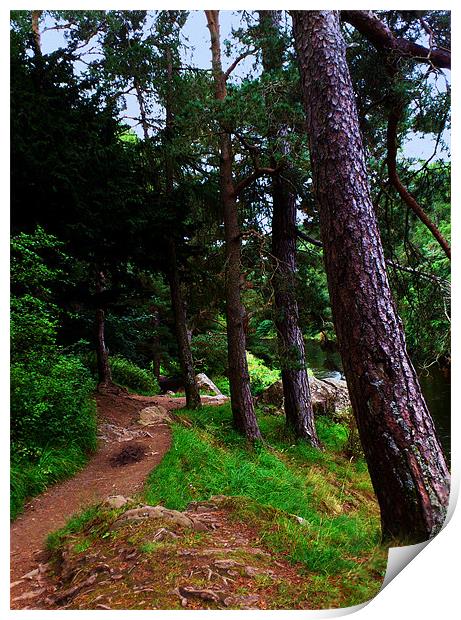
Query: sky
(196, 37)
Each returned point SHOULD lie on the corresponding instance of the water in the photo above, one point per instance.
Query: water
(435, 384)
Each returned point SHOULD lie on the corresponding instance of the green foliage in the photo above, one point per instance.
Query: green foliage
(222, 383)
(260, 375)
(125, 373)
(129, 375)
(210, 352)
(50, 405)
(33, 315)
(53, 418)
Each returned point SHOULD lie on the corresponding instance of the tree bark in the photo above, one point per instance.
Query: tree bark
(185, 354)
(239, 379)
(102, 354)
(35, 18)
(296, 392)
(404, 456)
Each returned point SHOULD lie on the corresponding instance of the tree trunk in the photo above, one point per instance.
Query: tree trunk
(297, 397)
(239, 379)
(185, 354)
(404, 456)
(102, 354)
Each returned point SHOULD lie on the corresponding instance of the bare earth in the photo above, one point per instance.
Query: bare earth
(100, 478)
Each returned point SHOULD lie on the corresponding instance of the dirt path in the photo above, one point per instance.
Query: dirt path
(117, 417)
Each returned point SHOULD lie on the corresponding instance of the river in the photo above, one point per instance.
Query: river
(435, 384)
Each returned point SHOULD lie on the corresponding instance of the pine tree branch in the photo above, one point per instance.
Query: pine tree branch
(259, 172)
(381, 36)
(236, 62)
(302, 235)
(407, 197)
(445, 284)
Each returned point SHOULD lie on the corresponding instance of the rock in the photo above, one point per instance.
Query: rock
(329, 397)
(164, 534)
(201, 507)
(301, 520)
(116, 501)
(245, 601)
(159, 512)
(186, 592)
(205, 383)
(155, 414)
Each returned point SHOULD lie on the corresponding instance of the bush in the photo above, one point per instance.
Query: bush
(51, 405)
(124, 373)
(129, 375)
(53, 424)
(260, 375)
(222, 383)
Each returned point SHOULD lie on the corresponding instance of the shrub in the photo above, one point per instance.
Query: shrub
(222, 383)
(124, 373)
(51, 405)
(260, 375)
(132, 377)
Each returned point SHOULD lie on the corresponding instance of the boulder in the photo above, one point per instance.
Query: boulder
(329, 397)
(205, 383)
(155, 414)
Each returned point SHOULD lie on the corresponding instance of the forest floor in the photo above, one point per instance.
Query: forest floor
(219, 553)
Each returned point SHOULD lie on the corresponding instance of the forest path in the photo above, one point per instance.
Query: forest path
(49, 511)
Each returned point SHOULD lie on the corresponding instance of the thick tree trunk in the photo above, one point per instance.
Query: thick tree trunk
(102, 354)
(239, 378)
(182, 337)
(404, 456)
(297, 397)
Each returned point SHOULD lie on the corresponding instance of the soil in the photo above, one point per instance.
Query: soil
(117, 415)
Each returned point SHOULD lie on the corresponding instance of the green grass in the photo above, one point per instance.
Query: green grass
(31, 478)
(272, 482)
(94, 522)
